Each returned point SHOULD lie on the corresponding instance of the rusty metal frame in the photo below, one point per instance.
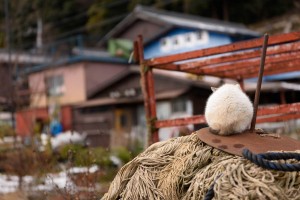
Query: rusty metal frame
(259, 81)
(239, 61)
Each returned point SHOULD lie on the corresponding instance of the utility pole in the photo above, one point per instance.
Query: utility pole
(39, 35)
(10, 70)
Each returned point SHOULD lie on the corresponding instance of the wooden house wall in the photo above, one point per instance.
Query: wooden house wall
(140, 27)
(5, 81)
(96, 122)
(107, 126)
(99, 74)
(162, 84)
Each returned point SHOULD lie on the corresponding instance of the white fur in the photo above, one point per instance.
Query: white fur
(228, 110)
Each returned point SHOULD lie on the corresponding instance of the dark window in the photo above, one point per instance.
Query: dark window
(179, 105)
(93, 110)
(163, 42)
(175, 41)
(123, 120)
(199, 35)
(55, 85)
(188, 38)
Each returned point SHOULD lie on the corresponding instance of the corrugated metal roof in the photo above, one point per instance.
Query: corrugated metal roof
(192, 21)
(22, 57)
(179, 19)
(73, 59)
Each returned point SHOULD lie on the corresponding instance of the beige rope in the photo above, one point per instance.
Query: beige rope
(185, 168)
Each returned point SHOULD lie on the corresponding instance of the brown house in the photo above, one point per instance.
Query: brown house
(9, 64)
(117, 109)
(57, 87)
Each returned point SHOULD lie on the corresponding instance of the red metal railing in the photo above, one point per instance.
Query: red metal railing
(238, 61)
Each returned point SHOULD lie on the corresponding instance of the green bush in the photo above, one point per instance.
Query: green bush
(68, 151)
(81, 156)
(90, 156)
(122, 153)
(6, 130)
(101, 156)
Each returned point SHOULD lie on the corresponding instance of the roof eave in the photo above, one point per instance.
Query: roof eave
(119, 27)
(74, 59)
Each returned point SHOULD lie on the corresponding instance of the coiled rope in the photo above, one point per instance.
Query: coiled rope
(185, 168)
(264, 160)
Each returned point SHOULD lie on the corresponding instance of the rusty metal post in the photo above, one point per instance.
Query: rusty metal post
(259, 81)
(148, 92)
(152, 105)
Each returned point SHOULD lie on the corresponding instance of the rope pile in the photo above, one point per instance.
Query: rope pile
(186, 168)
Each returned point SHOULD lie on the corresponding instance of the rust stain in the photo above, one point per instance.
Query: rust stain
(252, 141)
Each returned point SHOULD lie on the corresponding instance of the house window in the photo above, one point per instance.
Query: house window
(128, 92)
(187, 37)
(131, 92)
(185, 40)
(199, 35)
(55, 85)
(175, 41)
(123, 120)
(179, 105)
(202, 37)
(165, 44)
(115, 94)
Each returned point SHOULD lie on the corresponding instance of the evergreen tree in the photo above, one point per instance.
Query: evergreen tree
(67, 18)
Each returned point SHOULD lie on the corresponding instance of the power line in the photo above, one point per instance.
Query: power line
(83, 28)
(109, 20)
(68, 19)
(85, 13)
(164, 3)
(116, 3)
(101, 23)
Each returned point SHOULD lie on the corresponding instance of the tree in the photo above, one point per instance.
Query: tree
(63, 19)
(58, 18)
(104, 14)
